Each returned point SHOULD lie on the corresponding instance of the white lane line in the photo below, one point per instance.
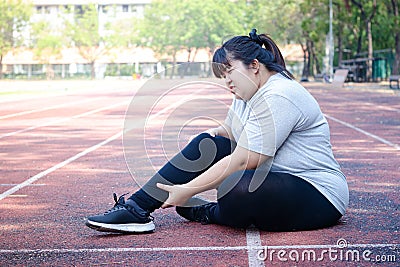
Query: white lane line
(17, 184)
(20, 97)
(375, 106)
(380, 106)
(380, 139)
(58, 166)
(81, 154)
(47, 108)
(209, 248)
(253, 241)
(63, 119)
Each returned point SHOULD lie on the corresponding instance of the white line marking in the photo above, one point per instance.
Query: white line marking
(380, 106)
(380, 139)
(63, 119)
(252, 235)
(227, 248)
(17, 184)
(253, 241)
(58, 166)
(47, 108)
(77, 156)
(26, 97)
(375, 106)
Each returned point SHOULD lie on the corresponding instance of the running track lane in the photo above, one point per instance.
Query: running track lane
(46, 174)
(190, 248)
(39, 143)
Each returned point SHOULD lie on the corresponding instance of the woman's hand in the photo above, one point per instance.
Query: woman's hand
(213, 132)
(178, 195)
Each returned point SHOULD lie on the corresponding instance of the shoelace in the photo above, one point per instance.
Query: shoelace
(119, 203)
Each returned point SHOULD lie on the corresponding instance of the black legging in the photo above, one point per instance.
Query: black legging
(282, 202)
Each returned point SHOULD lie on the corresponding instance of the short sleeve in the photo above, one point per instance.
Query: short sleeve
(270, 122)
(229, 117)
(287, 118)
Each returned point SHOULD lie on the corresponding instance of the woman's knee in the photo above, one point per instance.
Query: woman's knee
(197, 155)
(208, 146)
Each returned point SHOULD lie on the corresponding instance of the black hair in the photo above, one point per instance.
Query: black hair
(246, 49)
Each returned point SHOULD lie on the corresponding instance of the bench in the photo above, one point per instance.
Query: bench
(395, 79)
(339, 77)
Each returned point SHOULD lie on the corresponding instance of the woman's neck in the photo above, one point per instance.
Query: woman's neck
(265, 75)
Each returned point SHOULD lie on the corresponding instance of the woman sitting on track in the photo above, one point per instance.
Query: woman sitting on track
(271, 161)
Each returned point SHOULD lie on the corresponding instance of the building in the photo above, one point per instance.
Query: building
(108, 10)
(22, 61)
(128, 62)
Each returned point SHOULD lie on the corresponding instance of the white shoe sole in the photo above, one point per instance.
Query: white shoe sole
(122, 228)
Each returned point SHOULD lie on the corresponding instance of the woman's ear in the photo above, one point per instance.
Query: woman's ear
(255, 65)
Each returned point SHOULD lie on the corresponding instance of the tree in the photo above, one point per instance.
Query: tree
(314, 28)
(84, 34)
(212, 20)
(14, 15)
(393, 10)
(206, 28)
(281, 20)
(367, 10)
(162, 28)
(47, 44)
(171, 25)
(124, 32)
(303, 22)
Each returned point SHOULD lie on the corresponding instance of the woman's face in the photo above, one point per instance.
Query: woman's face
(241, 80)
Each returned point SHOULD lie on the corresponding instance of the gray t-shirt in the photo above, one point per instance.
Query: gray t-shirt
(282, 120)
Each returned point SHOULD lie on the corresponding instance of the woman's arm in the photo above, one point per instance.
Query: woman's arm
(240, 159)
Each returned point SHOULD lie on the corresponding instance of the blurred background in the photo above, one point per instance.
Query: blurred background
(135, 39)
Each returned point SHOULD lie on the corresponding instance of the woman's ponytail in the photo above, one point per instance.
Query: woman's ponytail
(248, 48)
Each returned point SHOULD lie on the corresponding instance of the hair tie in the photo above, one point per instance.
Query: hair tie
(254, 37)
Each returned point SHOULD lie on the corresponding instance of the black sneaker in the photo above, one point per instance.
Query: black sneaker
(124, 217)
(200, 214)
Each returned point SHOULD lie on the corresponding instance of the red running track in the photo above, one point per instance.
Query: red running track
(62, 158)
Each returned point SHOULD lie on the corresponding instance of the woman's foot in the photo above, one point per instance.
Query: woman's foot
(202, 214)
(124, 217)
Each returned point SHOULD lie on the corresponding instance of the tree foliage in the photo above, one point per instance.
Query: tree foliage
(171, 25)
(282, 19)
(360, 28)
(47, 44)
(83, 32)
(14, 16)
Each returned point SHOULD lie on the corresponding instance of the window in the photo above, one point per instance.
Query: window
(78, 10)
(125, 8)
(47, 10)
(37, 68)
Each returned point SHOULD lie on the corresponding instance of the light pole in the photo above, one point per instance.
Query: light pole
(331, 48)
